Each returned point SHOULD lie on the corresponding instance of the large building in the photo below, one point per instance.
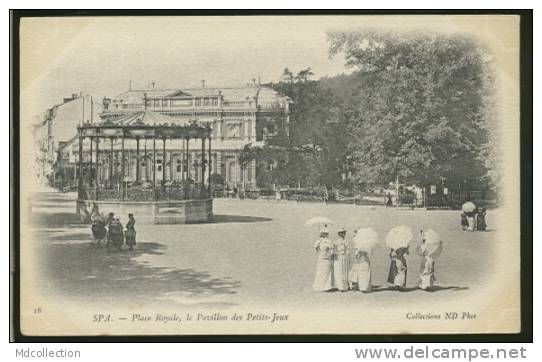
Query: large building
(237, 117)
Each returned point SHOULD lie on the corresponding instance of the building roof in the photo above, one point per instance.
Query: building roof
(229, 94)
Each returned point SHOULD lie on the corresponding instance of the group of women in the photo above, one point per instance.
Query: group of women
(341, 265)
(110, 230)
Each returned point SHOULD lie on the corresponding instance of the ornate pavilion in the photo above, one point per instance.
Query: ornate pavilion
(143, 157)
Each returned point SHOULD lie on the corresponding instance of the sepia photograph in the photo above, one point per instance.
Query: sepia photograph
(340, 174)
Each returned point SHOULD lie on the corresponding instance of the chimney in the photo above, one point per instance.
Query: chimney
(152, 84)
(106, 102)
(203, 83)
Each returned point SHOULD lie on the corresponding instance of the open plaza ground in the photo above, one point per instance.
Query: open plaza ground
(254, 252)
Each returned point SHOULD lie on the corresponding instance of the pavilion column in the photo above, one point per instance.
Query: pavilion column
(111, 161)
(154, 162)
(137, 161)
(187, 158)
(171, 159)
(91, 166)
(146, 162)
(80, 182)
(202, 165)
(122, 168)
(210, 167)
(164, 162)
(182, 160)
(97, 166)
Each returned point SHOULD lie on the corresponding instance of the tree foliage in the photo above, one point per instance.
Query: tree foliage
(418, 106)
(421, 111)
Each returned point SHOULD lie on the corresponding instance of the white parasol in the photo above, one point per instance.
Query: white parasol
(433, 243)
(399, 237)
(469, 206)
(366, 240)
(319, 220)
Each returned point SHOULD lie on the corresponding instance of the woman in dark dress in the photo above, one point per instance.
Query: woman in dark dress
(464, 221)
(130, 232)
(481, 219)
(397, 275)
(116, 235)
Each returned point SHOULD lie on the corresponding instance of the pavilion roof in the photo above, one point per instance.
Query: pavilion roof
(148, 117)
(145, 123)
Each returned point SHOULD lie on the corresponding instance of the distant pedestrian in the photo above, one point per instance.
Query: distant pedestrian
(481, 219)
(130, 233)
(471, 220)
(464, 221)
(389, 201)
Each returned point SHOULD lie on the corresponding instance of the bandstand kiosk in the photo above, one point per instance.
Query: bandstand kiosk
(151, 198)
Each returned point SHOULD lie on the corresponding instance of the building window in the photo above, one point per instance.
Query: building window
(198, 102)
(215, 102)
(156, 103)
(181, 103)
(206, 101)
(149, 104)
(164, 103)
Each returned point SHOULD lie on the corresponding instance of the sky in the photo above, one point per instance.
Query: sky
(100, 56)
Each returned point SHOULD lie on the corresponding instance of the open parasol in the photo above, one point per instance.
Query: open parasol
(399, 237)
(366, 239)
(319, 220)
(433, 243)
(469, 206)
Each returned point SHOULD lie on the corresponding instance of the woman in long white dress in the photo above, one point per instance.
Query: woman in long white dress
(427, 273)
(323, 280)
(341, 263)
(429, 251)
(360, 273)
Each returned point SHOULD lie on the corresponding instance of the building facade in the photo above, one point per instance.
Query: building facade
(55, 130)
(237, 117)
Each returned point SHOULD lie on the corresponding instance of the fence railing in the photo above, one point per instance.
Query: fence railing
(135, 193)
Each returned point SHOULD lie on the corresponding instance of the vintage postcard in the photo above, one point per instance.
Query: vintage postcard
(322, 174)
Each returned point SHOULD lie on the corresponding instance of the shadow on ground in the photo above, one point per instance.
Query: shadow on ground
(219, 219)
(56, 220)
(435, 288)
(89, 272)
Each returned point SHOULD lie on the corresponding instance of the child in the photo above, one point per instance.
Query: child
(360, 273)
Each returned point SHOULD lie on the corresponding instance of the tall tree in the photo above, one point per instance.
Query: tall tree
(422, 105)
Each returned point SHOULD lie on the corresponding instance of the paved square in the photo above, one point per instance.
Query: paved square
(256, 252)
